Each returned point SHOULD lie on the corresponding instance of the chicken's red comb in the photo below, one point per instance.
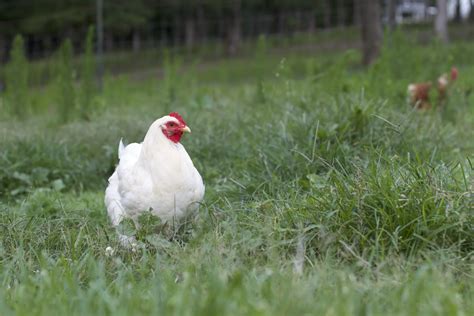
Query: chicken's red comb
(454, 73)
(178, 117)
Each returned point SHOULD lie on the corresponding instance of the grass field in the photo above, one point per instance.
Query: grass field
(326, 194)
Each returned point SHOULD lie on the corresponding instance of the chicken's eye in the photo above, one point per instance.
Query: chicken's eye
(171, 124)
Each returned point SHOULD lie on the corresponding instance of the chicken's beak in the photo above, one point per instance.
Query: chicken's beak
(186, 129)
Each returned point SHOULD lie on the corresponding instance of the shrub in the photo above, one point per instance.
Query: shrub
(66, 95)
(87, 81)
(16, 77)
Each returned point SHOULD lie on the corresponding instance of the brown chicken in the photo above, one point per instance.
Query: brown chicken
(419, 93)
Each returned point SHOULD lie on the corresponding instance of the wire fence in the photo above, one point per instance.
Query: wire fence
(181, 32)
(191, 30)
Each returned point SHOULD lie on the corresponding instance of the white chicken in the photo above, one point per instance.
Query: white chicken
(156, 175)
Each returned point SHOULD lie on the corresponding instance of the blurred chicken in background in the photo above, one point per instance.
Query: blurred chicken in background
(419, 93)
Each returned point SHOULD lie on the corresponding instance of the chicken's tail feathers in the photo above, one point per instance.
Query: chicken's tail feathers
(112, 200)
(121, 148)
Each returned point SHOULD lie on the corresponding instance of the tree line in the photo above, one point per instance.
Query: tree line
(46, 23)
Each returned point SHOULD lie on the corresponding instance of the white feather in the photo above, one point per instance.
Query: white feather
(121, 148)
(156, 175)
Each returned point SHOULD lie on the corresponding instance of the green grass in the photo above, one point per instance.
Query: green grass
(309, 160)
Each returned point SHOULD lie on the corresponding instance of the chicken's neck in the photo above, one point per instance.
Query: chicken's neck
(157, 148)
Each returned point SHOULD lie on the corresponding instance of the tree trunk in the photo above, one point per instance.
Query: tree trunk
(341, 13)
(311, 22)
(441, 21)
(136, 42)
(327, 14)
(281, 23)
(391, 14)
(100, 43)
(176, 30)
(371, 30)
(3, 48)
(163, 34)
(297, 27)
(201, 25)
(356, 12)
(3, 57)
(457, 12)
(235, 30)
(189, 27)
(471, 11)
